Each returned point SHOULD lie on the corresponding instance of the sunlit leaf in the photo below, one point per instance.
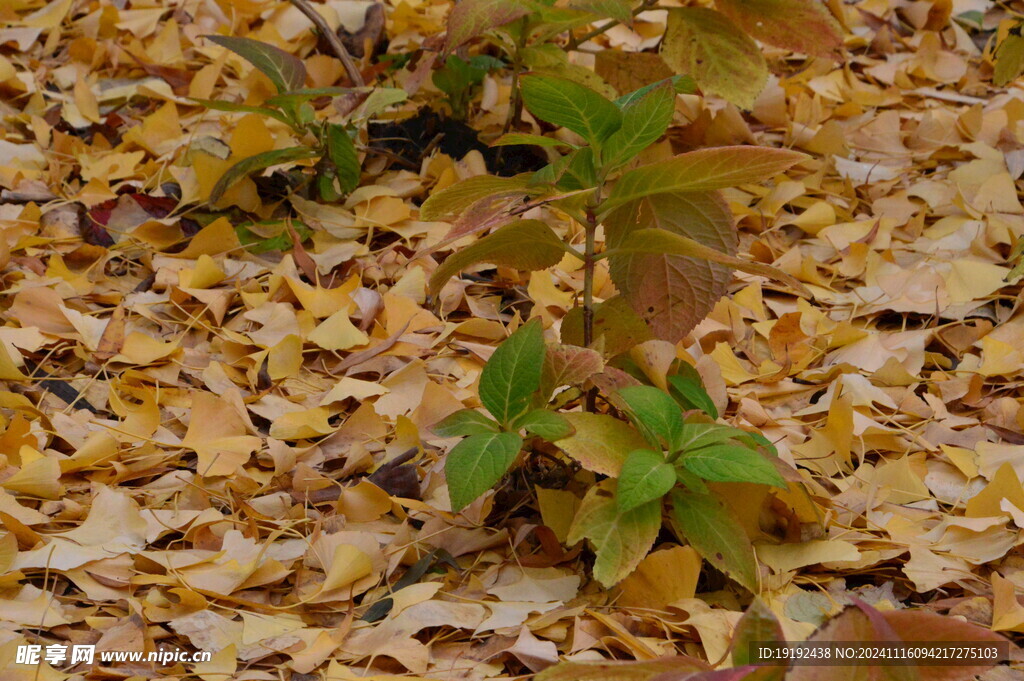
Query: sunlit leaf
(732, 463)
(464, 422)
(724, 61)
(546, 424)
(456, 199)
(643, 122)
(601, 442)
(655, 411)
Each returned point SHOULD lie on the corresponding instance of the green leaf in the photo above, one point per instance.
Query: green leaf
(381, 98)
(973, 18)
(342, 153)
(512, 374)
(293, 97)
(654, 410)
(621, 539)
(645, 477)
(643, 122)
(220, 105)
(661, 241)
(1009, 57)
(690, 481)
(701, 170)
(472, 18)
(681, 85)
(514, 138)
(601, 442)
(285, 71)
(258, 162)
(714, 531)
(722, 59)
(620, 10)
(546, 424)
(732, 463)
(455, 200)
(580, 171)
(464, 422)
(690, 394)
(477, 463)
(758, 625)
(804, 26)
(523, 244)
(550, 60)
(257, 241)
(572, 106)
(697, 435)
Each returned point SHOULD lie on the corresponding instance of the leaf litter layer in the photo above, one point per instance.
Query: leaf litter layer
(215, 439)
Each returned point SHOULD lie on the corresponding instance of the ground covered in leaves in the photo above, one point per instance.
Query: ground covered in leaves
(212, 440)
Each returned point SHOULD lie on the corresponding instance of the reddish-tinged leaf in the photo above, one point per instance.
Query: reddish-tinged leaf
(472, 18)
(800, 25)
(673, 293)
(568, 365)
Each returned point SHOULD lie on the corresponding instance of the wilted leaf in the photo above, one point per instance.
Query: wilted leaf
(776, 22)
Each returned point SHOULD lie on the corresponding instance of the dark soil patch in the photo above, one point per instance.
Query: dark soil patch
(413, 138)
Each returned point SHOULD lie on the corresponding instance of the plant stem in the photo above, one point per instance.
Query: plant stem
(588, 293)
(575, 42)
(333, 40)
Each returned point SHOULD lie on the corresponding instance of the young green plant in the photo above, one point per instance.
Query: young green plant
(666, 476)
(670, 239)
(337, 171)
(508, 389)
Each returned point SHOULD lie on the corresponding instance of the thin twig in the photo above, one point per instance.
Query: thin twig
(333, 40)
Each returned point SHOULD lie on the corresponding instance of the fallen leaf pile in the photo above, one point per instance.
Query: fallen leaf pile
(210, 440)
